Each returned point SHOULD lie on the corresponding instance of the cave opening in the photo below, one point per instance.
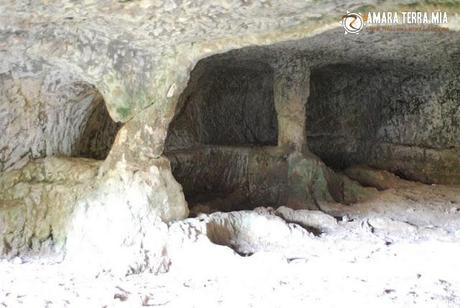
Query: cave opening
(282, 124)
(77, 124)
(227, 120)
(96, 130)
(71, 121)
(388, 115)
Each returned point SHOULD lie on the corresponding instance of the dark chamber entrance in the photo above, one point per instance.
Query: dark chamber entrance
(227, 115)
(246, 111)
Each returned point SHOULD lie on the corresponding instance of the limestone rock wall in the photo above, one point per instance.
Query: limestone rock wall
(37, 204)
(389, 100)
(229, 103)
(138, 55)
(240, 178)
(67, 208)
(394, 116)
(237, 171)
(42, 116)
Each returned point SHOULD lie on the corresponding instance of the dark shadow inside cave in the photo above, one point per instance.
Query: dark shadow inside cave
(226, 104)
(346, 108)
(238, 121)
(95, 129)
(390, 115)
(98, 132)
(226, 113)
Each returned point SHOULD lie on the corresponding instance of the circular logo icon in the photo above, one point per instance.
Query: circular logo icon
(352, 23)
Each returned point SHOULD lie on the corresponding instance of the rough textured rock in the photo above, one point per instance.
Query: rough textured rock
(99, 46)
(393, 110)
(384, 266)
(379, 179)
(409, 213)
(227, 103)
(387, 228)
(401, 115)
(57, 59)
(67, 207)
(316, 220)
(235, 178)
(249, 232)
(37, 203)
(251, 174)
(125, 205)
(241, 231)
(49, 117)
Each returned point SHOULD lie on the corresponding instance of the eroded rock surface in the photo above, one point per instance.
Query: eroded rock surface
(378, 249)
(37, 203)
(70, 72)
(42, 117)
(70, 207)
(380, 179)
(402, 115)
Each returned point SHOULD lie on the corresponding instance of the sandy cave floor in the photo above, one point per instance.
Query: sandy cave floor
(400, 249)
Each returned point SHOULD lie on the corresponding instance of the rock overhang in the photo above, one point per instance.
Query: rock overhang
(140, 55)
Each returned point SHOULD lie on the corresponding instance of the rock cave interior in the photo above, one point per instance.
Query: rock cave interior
(244, 113)
(151, 167)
